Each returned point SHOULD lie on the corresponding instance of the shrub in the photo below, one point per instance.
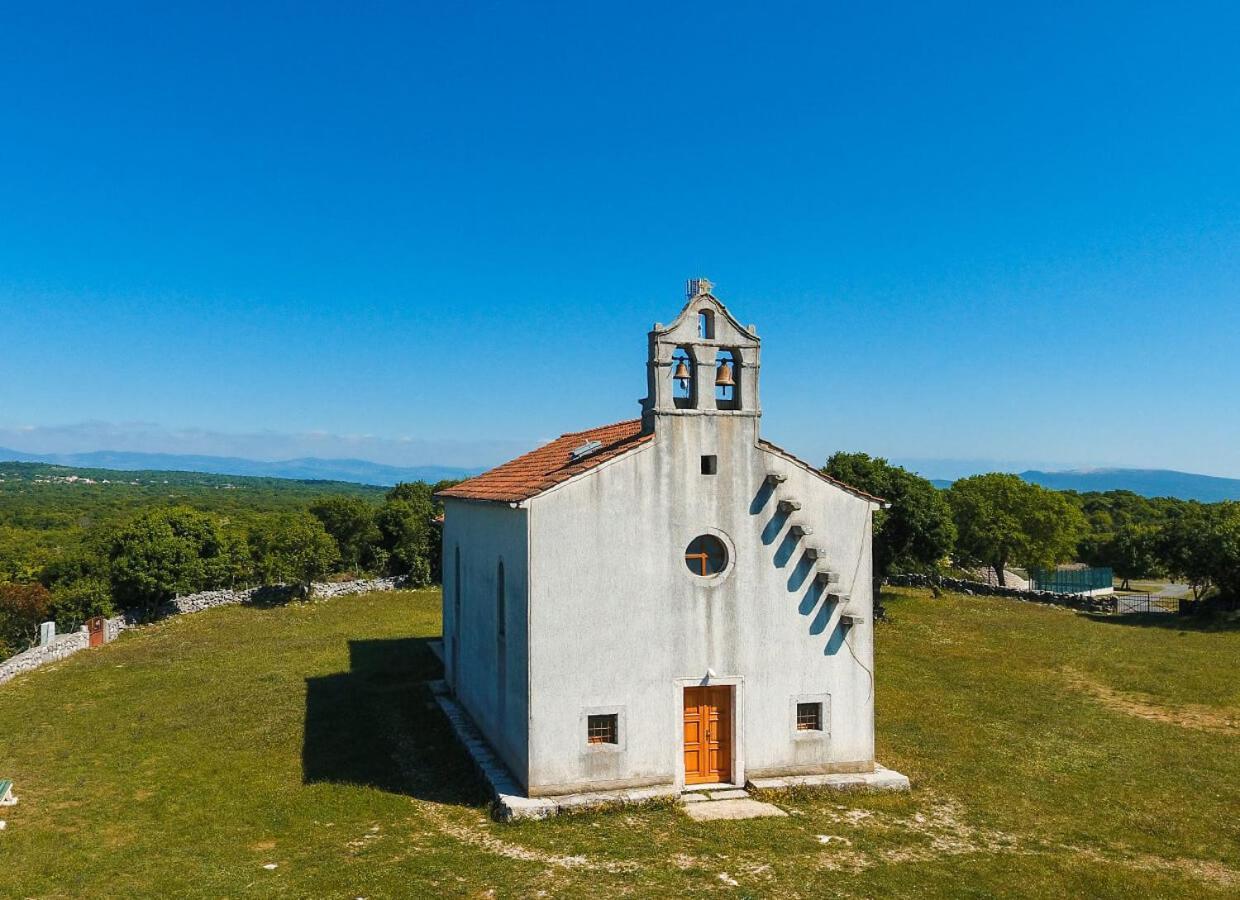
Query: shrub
(167, 552)
(22, 607)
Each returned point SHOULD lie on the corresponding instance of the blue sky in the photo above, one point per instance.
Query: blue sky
(435, 233)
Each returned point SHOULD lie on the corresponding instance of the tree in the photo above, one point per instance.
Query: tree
(1186, 550)
(1132, 552)
(166, 552)
(410, 534)
(292, 548)
(1226, 541)
(22, 608)
(1003, 520)
(351, 523)
(917, 532)
(75, 602)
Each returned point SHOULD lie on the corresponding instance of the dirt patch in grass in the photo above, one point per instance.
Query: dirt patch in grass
(1201, 718)
(475, 833)
(1213, 873)
(938, 832)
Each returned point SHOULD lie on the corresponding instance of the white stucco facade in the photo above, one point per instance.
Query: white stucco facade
(604, 617)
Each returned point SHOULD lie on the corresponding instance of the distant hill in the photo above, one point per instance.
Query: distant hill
(358, 471)
(1146, 482)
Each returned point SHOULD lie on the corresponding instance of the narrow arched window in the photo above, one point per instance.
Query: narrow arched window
(727, 380)
(706, 324)
(684, 379)
(501, 612)
(456, 620)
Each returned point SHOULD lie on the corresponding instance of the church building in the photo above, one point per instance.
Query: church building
(668, 602)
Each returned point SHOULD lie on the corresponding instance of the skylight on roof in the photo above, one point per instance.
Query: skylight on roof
(585, 450)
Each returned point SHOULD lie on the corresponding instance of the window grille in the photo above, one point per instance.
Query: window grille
(809, 717)
(603, 729)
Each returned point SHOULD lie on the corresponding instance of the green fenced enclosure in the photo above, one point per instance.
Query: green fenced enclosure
(1071, 581)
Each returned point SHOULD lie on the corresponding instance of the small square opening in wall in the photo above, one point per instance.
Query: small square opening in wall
(710, 465)
(809, 717)
(603, 729)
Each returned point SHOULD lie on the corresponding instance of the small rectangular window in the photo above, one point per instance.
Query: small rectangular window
(710, 465)
(809, 717)
(603, 729)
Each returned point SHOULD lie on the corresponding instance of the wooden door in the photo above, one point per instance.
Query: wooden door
(95, 627)
(708, 735)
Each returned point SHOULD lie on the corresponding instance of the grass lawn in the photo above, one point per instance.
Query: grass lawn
(1051, 754)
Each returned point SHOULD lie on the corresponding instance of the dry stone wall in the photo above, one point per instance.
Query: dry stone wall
(68, 644)
(55, 649)
(1081, 602)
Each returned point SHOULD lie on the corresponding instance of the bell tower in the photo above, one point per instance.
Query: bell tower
(703, 366)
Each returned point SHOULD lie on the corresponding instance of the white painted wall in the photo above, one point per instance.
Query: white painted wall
(495, 696)
(617, 620)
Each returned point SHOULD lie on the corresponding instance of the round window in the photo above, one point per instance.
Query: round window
(706, 555)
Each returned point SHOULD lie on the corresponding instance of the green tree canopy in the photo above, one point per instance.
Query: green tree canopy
(1002, 520)
(166, 552)
(1132, 552)
(917, 532)
(351, 523)
(1226, 562)
(410, 534)
(292, 548)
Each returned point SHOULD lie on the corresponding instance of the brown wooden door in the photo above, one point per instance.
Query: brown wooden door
(96, 626)
(708, 735)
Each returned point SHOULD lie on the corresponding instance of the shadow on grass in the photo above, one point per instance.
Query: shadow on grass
(1170, 621)
(377, 725)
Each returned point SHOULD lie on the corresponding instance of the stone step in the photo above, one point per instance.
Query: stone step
(826, 576)
(733, 794)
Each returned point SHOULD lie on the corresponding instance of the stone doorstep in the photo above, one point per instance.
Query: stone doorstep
(881, 779)
(739, 808)
(734, 794)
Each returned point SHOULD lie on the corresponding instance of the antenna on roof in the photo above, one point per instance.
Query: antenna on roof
(585, 450)
(695, 287)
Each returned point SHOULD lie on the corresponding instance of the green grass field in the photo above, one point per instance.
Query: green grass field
(1051, 754)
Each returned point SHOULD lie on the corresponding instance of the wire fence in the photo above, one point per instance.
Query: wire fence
(1072, 581)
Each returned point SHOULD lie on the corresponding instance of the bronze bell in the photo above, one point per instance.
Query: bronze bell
(723, 378)
(682, 372)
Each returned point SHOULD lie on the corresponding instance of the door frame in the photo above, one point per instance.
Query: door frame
(737, 683)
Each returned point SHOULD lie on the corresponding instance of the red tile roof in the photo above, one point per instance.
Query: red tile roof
(550, 464)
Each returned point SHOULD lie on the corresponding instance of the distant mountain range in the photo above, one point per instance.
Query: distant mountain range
(1146, 482)
(356, 470)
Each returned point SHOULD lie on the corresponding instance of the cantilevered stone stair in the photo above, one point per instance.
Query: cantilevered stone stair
(828, 578)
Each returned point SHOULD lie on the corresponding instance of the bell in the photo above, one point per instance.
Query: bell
(723, 378)
(682, 372)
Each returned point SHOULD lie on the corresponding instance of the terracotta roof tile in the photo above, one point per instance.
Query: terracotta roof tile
(550, 464)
